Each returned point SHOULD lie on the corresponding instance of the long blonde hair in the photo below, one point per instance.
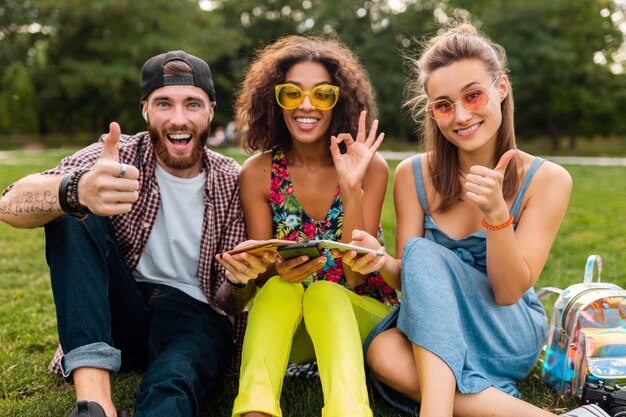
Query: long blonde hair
(457, 44)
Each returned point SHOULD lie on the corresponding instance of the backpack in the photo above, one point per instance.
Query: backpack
(587, 335)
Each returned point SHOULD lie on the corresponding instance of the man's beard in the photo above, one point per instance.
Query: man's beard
(158, 141)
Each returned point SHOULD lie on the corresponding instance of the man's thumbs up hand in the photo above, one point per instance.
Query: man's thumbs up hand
(109, 150)
(110, 187)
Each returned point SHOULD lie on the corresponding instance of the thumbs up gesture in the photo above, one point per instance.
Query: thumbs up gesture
(484, 185)
(110, 187)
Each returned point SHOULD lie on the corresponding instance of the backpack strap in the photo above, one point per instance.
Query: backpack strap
(591, 261)
(546, 291)
(587, 278)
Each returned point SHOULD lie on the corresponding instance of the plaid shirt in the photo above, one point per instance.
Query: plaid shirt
(222, 229)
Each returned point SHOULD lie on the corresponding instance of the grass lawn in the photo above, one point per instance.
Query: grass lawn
(595, 223)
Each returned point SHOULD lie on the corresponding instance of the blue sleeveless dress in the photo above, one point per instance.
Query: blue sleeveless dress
(447, 307)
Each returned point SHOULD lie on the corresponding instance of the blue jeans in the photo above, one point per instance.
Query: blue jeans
(107, 320)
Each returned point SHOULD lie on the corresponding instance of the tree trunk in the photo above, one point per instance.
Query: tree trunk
(43, 125)
(572, 141)
(555, 136)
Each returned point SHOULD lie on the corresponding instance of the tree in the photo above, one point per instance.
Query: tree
(374, 31)
(92, 55)
(21, 30)
(561, 86)
(70, 65)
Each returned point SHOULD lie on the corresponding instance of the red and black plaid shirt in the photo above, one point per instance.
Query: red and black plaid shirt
(222, 229)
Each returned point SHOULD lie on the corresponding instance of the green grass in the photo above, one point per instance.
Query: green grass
(595, 223)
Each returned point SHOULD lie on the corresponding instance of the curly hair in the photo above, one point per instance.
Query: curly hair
(456, 44)
(259, 118)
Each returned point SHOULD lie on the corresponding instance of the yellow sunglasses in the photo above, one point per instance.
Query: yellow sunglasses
(323, 97)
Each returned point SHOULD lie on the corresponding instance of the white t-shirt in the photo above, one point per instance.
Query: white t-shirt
(173, 250)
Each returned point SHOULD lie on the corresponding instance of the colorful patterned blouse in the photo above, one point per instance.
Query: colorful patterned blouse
(290, 221)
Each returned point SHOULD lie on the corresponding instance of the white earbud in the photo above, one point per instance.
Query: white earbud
(145, 115)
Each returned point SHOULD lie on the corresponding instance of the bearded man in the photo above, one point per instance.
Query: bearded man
(133, 224)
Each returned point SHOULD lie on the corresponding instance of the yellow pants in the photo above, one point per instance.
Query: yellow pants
(336, 323)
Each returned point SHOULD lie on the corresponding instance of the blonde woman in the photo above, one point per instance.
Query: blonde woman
(476, 218)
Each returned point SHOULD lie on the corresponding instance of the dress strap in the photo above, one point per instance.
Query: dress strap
(277, 154)
(520, 194)
(278, 161)
(419, 182)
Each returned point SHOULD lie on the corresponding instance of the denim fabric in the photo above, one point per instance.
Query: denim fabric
(483, 343)
(107, 320)
(96, 355)
(448, 308)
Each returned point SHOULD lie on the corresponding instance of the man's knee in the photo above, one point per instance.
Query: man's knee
(66, 237)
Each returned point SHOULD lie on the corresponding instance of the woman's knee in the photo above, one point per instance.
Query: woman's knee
(390, 358)
(323, 292)
(377, 355)
(325, 297)
(276, 289)
(277, 304)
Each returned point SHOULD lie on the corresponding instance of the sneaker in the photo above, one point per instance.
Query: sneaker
(588, 410)
(88, 409)
(93, 409)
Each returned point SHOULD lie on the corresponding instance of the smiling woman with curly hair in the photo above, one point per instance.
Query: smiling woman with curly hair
(260, 120)
(302, 100)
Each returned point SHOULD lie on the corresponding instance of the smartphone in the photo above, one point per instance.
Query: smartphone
(312, 249)
(345, 247)
(258, 248)
(309, 249)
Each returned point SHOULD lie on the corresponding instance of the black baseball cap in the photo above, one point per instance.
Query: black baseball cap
(152, 73)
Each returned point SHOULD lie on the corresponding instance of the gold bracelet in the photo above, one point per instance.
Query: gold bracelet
(497, 226)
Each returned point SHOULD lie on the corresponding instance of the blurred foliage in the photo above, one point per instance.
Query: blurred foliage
(560, 89)
(73, 66)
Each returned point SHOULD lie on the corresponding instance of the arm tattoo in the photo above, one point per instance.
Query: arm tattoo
(29, 202)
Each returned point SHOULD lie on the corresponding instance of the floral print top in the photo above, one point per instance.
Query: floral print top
(290, 221)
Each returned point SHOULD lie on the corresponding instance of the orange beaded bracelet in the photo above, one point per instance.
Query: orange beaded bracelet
(497, 226)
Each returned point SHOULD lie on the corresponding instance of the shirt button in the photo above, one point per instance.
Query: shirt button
(155, 191)
(146, 225)
(135, 257)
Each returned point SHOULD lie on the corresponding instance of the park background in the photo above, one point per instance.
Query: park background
(69, 67)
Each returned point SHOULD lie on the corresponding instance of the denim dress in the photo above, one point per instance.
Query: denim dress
(448, 308)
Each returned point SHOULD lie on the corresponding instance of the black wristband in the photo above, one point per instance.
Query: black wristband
(68, 195)
(65, 182)
(235, 284)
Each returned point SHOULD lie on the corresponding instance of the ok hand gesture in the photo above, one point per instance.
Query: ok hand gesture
(352, 165)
